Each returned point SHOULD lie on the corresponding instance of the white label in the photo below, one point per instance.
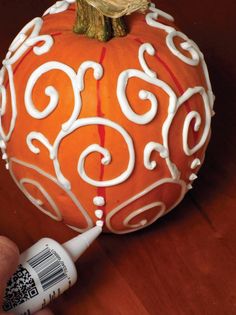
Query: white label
(45, 272)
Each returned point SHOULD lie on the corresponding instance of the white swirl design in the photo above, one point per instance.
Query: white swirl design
(38, 203)
(147, 76)
(23, 41)
(149, 148)
(6, 136)
(59, 6)
(151, 51)
(151, 114)
(144, 223)
(50, 91)
(107, 156)
(77, 81)
(27, 37)
(152, 19)
(42, 139)
(193, 115)
(53, 150)
(190, 46)
(3, 93)
(190, 117)
(187, 45)
(142, 210)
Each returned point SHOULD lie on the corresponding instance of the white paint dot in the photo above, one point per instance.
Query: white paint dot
(2, 144)
(195, 164)
(99, 201)
(100, 223)
(189, 187)
(4, 156)
(99, 213)
(192, 177)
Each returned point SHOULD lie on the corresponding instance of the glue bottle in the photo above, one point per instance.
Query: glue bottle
(46, 270)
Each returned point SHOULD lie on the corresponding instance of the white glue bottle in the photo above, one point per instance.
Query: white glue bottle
(46, 270)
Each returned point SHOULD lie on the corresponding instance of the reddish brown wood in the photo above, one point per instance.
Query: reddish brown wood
(185, 263)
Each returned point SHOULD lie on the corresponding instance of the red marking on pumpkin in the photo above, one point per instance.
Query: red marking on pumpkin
(19, 63)
(101, 191)
(177, 83)
(56, 34)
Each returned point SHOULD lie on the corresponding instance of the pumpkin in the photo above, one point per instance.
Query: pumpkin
(109, 132)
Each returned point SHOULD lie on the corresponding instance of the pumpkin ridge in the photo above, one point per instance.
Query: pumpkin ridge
(101, 191)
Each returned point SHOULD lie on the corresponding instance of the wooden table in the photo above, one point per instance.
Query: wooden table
(185, 264)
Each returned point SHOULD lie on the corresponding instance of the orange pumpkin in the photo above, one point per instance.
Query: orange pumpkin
(112, 131)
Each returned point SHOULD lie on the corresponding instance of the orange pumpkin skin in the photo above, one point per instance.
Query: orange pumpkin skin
(100, 137)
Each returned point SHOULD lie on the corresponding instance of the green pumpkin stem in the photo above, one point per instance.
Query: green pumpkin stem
(91, 22)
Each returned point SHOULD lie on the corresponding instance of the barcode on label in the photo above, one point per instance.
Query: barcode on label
(48, 268)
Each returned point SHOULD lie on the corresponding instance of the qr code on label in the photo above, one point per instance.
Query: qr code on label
(20, 288)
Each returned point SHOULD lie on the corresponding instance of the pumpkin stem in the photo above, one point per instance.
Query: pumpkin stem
(104, 19)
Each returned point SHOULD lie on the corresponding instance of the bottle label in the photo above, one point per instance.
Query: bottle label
(41, 276)
(21, 288)
(49, 268)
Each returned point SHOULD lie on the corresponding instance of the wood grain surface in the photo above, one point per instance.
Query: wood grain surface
(185, 264)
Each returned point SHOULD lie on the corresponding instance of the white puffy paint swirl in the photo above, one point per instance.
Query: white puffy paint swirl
(142, 210)
(24, 41)
(188, 45)
(38, 203)
(152, 19)
(27, 37)
(195, 116)
(74, 123)
(7, 135)
(188, 94)
(158, 204)
(149, 149)
(76, 82)
(58, 7)
(147, 76)
(151, 51)
(107, 157)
